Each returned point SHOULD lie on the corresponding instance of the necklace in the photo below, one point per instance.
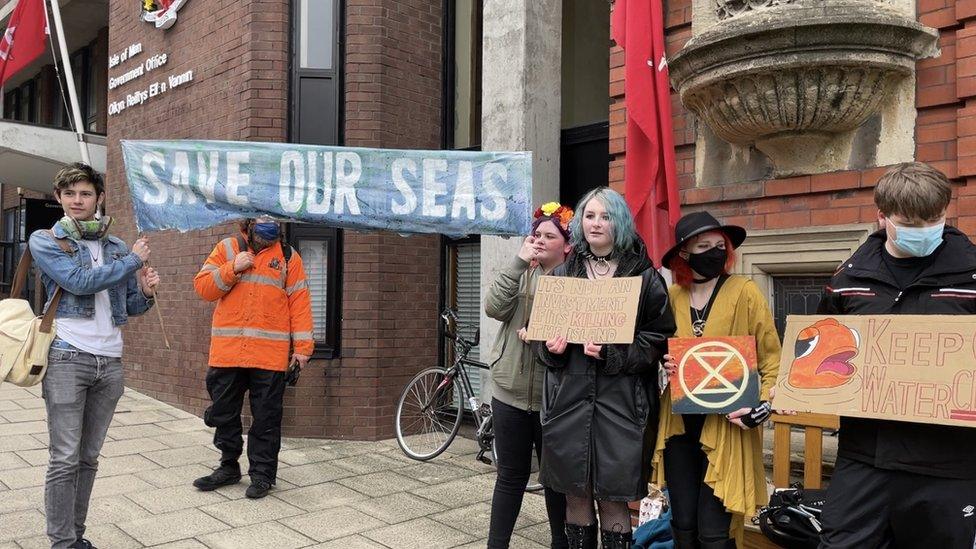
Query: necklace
(598, 264)
(698, 326)
(600, 267)
(91, 251)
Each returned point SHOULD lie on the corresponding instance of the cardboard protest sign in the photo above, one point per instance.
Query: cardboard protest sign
(598, 311)
(919, 368)
(716, 375)
(191, 184)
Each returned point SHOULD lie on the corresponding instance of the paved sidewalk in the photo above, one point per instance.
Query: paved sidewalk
(330, 494)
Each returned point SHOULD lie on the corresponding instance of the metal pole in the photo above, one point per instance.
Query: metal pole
(70, 77)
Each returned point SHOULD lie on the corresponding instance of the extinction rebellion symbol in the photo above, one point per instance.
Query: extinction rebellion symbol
(162, 13)
(727, 374)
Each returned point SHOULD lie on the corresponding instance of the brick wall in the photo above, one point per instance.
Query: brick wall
(390, 284)
(945, 137)
(233, 96)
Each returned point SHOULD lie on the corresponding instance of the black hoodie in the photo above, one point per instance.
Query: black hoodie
(864, 286)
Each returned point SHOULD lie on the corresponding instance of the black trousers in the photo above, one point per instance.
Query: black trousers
(226, 387)
(516, 433)
(697, 515)
(871, 507)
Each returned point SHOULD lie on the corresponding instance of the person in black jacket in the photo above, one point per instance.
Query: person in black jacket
(599, 401)
(900, 484)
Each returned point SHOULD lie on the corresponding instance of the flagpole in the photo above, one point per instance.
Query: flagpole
(70, 77)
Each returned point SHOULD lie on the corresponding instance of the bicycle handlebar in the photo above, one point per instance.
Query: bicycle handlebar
(450, 317)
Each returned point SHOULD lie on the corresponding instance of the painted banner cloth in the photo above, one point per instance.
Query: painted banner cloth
(188, 185)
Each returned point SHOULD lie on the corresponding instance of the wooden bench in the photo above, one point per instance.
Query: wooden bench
(813, 426)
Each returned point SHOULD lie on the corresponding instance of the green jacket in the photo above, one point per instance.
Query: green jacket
(516, 375)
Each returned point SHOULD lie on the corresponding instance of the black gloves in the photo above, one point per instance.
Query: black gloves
(757, 415)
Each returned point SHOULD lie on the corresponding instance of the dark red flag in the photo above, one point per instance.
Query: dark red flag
(650, 176)
(25, 38)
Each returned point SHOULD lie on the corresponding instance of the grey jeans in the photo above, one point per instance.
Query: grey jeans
(80, 391)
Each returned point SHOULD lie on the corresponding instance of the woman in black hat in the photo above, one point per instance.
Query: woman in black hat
(599, 414)
(712, 464)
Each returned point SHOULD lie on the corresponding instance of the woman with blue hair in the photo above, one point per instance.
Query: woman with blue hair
(599, 407)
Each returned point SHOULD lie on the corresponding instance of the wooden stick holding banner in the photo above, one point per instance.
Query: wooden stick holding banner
(159, 313)
(585, 311)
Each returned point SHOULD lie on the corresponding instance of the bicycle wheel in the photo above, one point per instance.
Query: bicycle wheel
(428, 414)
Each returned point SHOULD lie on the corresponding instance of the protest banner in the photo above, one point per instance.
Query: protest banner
(918, 368)
(716, 375)
(187, 185)
(583, 310)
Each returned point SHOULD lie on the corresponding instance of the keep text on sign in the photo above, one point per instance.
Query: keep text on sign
(919, 368)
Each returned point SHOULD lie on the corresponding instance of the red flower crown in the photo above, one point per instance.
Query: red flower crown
(557, 211)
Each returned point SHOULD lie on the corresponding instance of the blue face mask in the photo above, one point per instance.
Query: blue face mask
(266, 231)
(918, 242)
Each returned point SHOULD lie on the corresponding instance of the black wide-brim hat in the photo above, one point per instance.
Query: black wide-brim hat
(696, 223)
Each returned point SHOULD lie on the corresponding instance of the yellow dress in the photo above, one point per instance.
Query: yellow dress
(735, 466)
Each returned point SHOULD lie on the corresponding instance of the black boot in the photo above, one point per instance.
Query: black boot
(224, 475)
(616, 540)
(581, 537)
(684, 539)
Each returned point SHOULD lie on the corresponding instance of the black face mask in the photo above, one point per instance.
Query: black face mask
(709, 264)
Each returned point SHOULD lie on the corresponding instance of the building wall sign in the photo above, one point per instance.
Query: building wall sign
(149, 64)
(161, 13)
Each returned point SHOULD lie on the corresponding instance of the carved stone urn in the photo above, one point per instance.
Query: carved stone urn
(787, 76)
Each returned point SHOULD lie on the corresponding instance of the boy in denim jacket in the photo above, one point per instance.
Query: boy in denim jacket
(102, 283)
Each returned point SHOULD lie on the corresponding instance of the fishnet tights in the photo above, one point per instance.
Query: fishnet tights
(614, 515)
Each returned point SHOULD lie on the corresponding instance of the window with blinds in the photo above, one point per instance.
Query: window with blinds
(319, 248)
(466, 286)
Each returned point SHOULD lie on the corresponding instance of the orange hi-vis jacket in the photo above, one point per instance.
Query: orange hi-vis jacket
(262, 314)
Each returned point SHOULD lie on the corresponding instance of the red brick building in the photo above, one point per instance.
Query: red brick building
(409, 74)
(368, 73)
(945, 136)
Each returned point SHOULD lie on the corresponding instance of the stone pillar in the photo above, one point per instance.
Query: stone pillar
(521, 59)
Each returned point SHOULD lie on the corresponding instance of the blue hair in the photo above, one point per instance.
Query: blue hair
(623, 231)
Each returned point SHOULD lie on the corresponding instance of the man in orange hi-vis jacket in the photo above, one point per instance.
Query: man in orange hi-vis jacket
(263, 314)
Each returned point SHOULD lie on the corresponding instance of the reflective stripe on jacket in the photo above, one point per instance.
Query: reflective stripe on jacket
(262, 314)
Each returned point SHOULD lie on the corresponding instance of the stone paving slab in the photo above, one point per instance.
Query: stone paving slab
(421, 532)
(320, 496)
(172, 527)
(174, 498)
(396, 508)
(330, 494)
(269, 534)
(333, 523)
(243, 512)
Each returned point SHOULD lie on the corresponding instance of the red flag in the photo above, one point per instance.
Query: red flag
(650, 175)
(28, 26)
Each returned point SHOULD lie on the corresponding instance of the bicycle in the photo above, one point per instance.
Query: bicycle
(432, 405)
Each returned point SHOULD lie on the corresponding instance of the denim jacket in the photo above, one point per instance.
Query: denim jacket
(80, 282)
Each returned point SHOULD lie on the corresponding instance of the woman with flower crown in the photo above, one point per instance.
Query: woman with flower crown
(516, 376)
(599, 405)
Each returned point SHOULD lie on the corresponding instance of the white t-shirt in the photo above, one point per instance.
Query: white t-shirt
(96, 335)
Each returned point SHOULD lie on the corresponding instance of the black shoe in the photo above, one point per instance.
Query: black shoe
(258, 489)
(581, 537)
(83, 544)
(223, 476)
(616, 540)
